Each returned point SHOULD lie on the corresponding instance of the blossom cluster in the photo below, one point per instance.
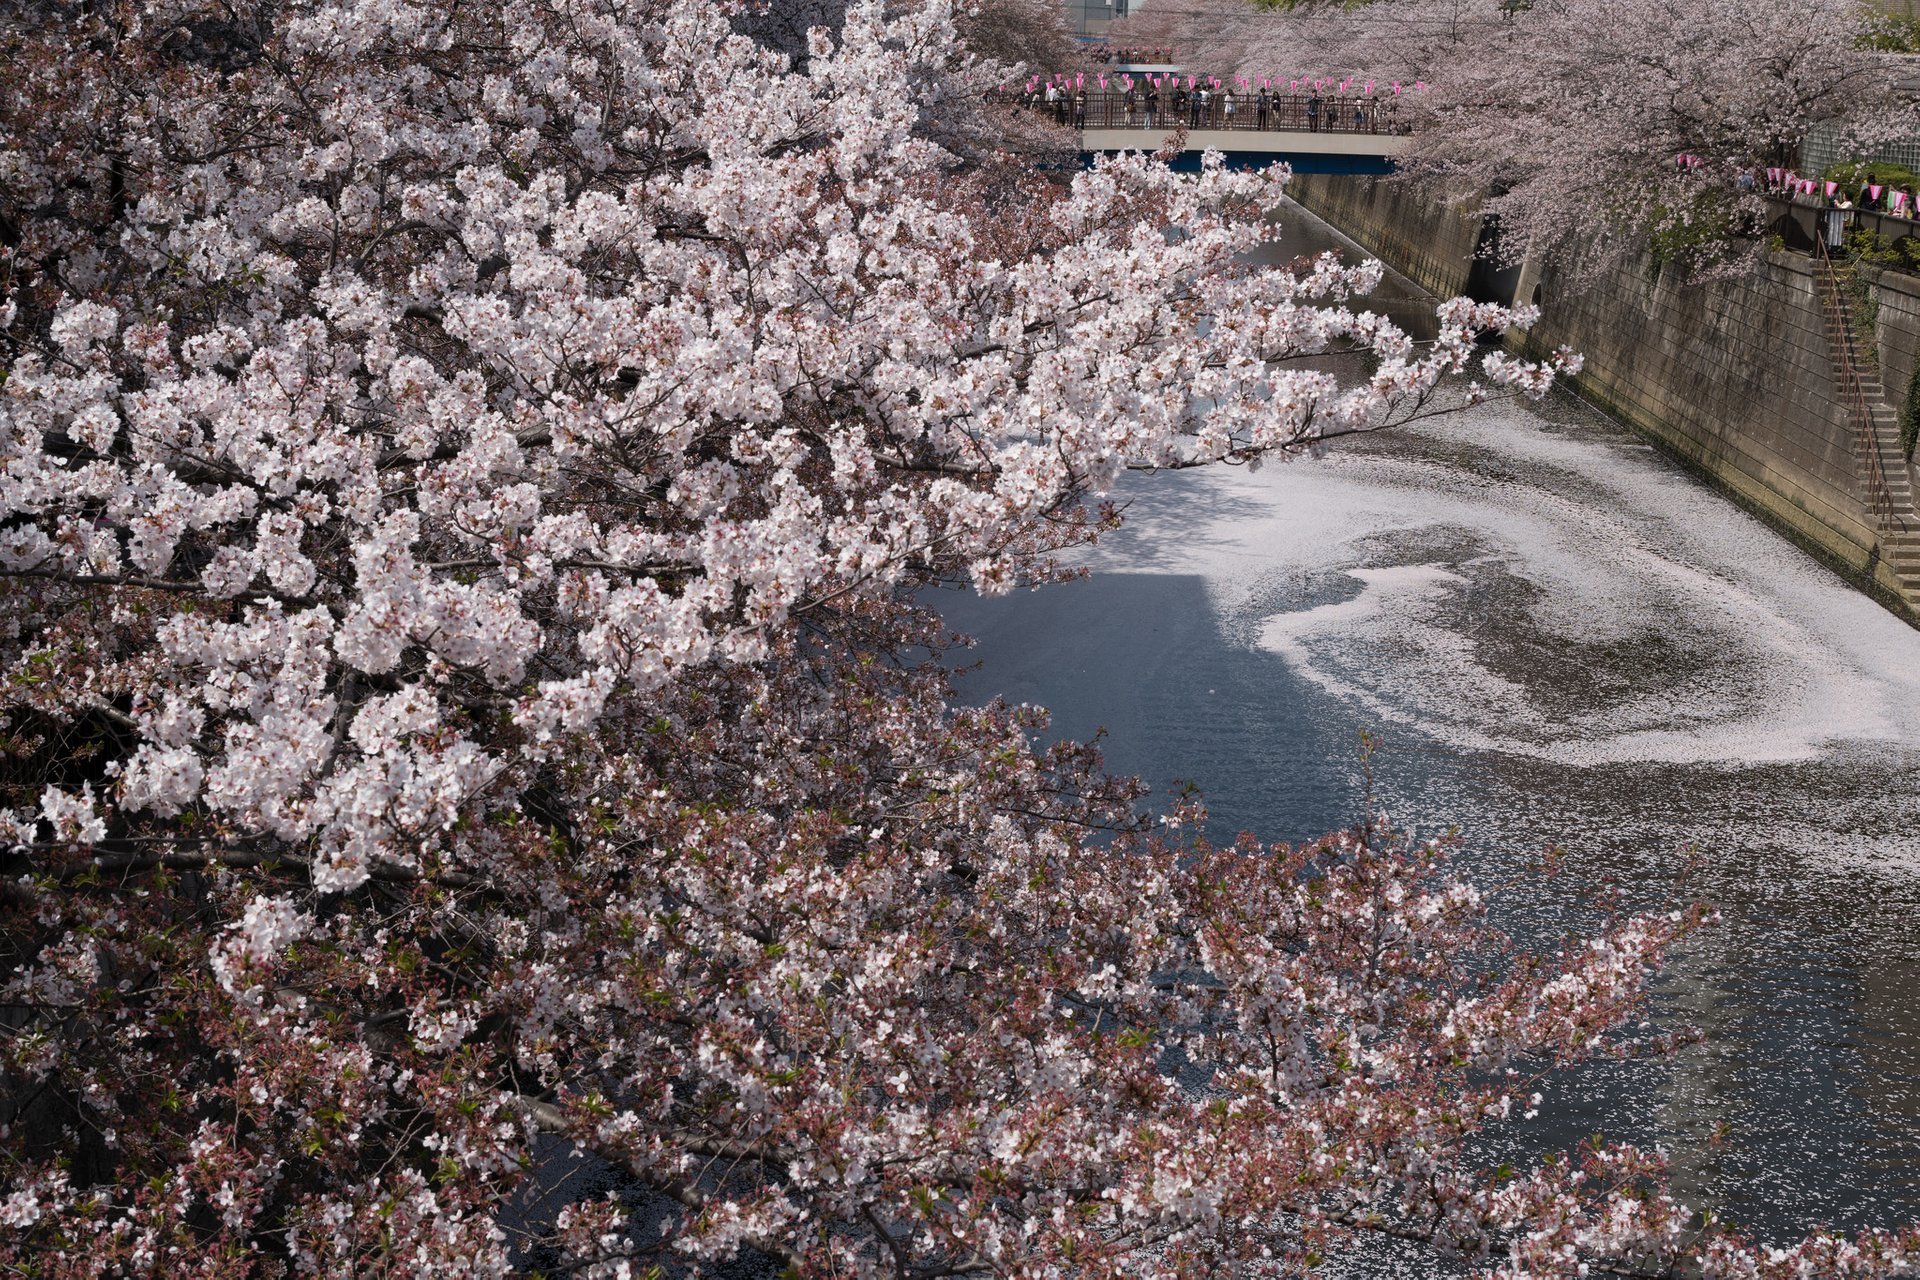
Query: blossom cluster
(465, 473)
(1563, 118)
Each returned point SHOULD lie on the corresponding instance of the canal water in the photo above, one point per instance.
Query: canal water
(1561, 639)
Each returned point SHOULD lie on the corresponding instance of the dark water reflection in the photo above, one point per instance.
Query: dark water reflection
(1562, 640)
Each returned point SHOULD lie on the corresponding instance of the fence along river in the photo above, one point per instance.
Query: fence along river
(1561, 638)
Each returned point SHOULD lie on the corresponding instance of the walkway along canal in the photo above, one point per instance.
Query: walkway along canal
(1562, 637)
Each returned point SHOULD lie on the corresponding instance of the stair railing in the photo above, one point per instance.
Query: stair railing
(1867, 440)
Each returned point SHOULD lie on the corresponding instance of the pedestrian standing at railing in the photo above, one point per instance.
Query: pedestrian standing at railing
(1200, 101)
(1359, 116)
(1226, 109)
(1153, 105)
(1179, 103)
(1313, 112)
(1836, 224)
(1128, 101)
(1261, 105)
(1080, 109)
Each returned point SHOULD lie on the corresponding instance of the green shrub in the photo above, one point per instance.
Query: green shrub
(1864, 246)
(1695, 237)
(1853, 174)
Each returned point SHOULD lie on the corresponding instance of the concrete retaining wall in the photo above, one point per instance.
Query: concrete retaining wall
(1429, 242)
(1735, 378)
(1897, 329)
(1897, 334)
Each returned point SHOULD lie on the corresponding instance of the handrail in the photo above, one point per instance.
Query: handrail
(1879, 498)
(1876, 219)
(1285, 113)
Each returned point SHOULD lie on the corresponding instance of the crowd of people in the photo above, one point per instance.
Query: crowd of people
(1156, 104)
(1839, 204)
(1873, 194)
(1132, 56)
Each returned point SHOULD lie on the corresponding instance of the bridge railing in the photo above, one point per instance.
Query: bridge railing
(1811, 212)
(1284, 113)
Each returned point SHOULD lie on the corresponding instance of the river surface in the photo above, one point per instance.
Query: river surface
(1562, 639)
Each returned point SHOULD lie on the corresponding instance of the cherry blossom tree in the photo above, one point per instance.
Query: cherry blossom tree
(1009, 40)
(1567, 118)
(466, 479)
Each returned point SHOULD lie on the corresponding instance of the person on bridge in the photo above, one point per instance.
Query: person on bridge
(1128, 102)
(1080, 109)
(1200, 102)
(1837, 216)
(1313, 112)
(1359, 115)
(1226, 108)
(1179, 103)
(1153, 105)
(1261, 104)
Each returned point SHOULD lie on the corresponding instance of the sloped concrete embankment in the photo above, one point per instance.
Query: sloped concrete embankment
(1739, 379)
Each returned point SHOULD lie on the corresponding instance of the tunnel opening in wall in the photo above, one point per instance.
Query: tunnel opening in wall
(1489, 278)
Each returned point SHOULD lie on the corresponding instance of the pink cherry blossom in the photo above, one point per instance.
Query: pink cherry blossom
(474, 479)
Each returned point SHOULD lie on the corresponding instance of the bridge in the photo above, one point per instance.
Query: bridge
(1359, 134)
(1306, 151)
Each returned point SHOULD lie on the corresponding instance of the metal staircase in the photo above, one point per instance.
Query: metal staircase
(1879, 462)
